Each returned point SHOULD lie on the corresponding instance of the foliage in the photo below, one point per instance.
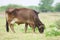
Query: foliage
(54, 29)
(45, 5)
(58, 24)
(3, 8)
(34, 7)
(57, 8)
(53, 33)
(14, 6)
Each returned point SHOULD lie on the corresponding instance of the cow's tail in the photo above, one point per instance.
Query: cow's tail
(7, 28)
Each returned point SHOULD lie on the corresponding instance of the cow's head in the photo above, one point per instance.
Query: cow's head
(41, 28)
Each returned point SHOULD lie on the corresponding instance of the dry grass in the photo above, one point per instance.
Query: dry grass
(47, 19)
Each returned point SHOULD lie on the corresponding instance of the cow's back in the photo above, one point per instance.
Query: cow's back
(25, 14)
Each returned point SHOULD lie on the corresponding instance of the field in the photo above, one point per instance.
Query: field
(46, 18)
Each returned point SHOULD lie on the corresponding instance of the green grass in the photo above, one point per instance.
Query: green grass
(47, 19)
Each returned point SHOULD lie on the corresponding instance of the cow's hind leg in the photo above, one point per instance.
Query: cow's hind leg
(12, 24)
(26, 26)
(7, 26)
(12, 27)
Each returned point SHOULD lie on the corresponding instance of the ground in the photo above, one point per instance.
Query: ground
(47, 19)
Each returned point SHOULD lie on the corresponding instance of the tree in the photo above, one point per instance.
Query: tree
(45, 5)
(57, 8)
(33, 7)
(3, 8)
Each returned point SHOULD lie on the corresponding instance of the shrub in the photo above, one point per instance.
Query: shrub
(52, 33)
(54, 29)
(58, 24)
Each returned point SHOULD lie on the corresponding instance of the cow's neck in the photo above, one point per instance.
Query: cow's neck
(38, 22)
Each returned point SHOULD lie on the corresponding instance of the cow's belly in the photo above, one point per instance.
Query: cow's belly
(18, 21)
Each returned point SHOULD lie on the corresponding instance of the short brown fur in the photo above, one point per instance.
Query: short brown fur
(25, 16)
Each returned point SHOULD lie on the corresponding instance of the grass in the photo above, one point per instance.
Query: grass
(47, 19)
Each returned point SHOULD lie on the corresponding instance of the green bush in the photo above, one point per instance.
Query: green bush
(58, 24)
(54, 29)
(52, 33)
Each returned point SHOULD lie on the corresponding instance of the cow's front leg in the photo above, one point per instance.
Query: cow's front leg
(33, 27)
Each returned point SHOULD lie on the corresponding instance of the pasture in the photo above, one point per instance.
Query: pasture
(46, 18)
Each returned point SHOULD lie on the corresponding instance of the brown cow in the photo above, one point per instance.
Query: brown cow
(23, 16)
